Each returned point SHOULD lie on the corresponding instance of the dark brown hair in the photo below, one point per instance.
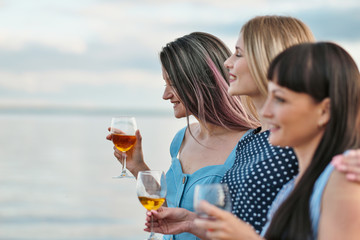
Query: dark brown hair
(322, 70)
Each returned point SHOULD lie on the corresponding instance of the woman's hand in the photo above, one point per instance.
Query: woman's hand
(134, 157)
(224, 225)
(349, 164)
(170, 220)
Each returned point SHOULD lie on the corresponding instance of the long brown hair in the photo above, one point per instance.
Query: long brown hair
(195, 65)
(322, 70)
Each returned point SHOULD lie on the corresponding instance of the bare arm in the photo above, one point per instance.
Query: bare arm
(340, 211)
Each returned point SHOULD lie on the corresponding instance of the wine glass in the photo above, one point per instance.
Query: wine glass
(151, 191)
(123, 136)
(215, 193)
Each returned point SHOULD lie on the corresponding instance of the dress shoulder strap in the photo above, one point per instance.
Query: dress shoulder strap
(176, 142)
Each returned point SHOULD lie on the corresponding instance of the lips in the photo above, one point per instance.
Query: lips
(273, 127)
(175, 103)
(232, 77)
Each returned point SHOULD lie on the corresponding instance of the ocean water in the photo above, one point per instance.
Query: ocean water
(56, 176)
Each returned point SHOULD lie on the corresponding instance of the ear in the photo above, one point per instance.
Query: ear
(324, 110)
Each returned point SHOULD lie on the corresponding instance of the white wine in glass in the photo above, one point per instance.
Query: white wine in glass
(151, 191)
(123, 136)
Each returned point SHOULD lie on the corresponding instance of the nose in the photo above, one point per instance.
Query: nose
(228, 62)
(168, 92)
(266, 110)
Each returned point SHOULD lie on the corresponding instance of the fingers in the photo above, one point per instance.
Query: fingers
(138, 135)
(156, 214)
(109, 136)
(212, 210)
(155, 222)
(348, 163)
(119, 155)
(215, 224)
(206, 224)
(138, 139)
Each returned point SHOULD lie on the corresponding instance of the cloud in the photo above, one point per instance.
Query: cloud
(19, 40)
(73, 51)
(57, 81)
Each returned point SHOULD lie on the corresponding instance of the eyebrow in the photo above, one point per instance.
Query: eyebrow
(277, 90)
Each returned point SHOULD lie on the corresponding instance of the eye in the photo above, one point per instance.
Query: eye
(238, 53)
(279, 99)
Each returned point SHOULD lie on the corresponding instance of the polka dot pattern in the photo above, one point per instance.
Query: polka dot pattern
(259, 172)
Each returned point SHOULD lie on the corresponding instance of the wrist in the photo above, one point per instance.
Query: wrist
(191, 228)
(138, 168)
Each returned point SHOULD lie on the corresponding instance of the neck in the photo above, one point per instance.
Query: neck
(206, 130)
(259, 102)
(305, 154)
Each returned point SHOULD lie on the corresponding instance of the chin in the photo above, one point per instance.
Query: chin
(275, 142)
(233, 92)
(179, 115)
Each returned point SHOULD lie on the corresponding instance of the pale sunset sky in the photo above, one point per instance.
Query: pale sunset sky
(104, 53)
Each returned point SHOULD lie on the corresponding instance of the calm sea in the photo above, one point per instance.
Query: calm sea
(56, 176)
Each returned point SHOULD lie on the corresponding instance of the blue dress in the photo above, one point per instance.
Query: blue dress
(316, 196)
(180, 186)
(315, 200)
(258, 174)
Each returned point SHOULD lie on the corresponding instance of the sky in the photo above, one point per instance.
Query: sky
(98, 54)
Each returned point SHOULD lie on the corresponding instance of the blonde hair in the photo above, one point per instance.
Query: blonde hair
(267, 36)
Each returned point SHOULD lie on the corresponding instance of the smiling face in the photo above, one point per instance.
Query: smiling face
(170, 94)
(295, 119)
(241, 81)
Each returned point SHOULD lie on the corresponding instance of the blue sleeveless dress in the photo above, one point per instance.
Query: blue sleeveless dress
(315, 200)
(181, 186)
(316, 196)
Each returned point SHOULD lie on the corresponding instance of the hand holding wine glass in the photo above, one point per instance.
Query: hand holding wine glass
(216, 194)
(151, 191)
(123, 136)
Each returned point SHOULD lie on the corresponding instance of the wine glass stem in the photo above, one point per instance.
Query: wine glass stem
(151, 227)
(124, 163)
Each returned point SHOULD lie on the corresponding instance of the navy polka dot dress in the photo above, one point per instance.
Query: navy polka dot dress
(258, 174)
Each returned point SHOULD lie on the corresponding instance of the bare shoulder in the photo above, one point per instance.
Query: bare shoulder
(340, 209)
(339, 187)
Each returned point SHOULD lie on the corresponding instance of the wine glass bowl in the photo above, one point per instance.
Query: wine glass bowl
(215, 193)
(122, 132)
(151, 191)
